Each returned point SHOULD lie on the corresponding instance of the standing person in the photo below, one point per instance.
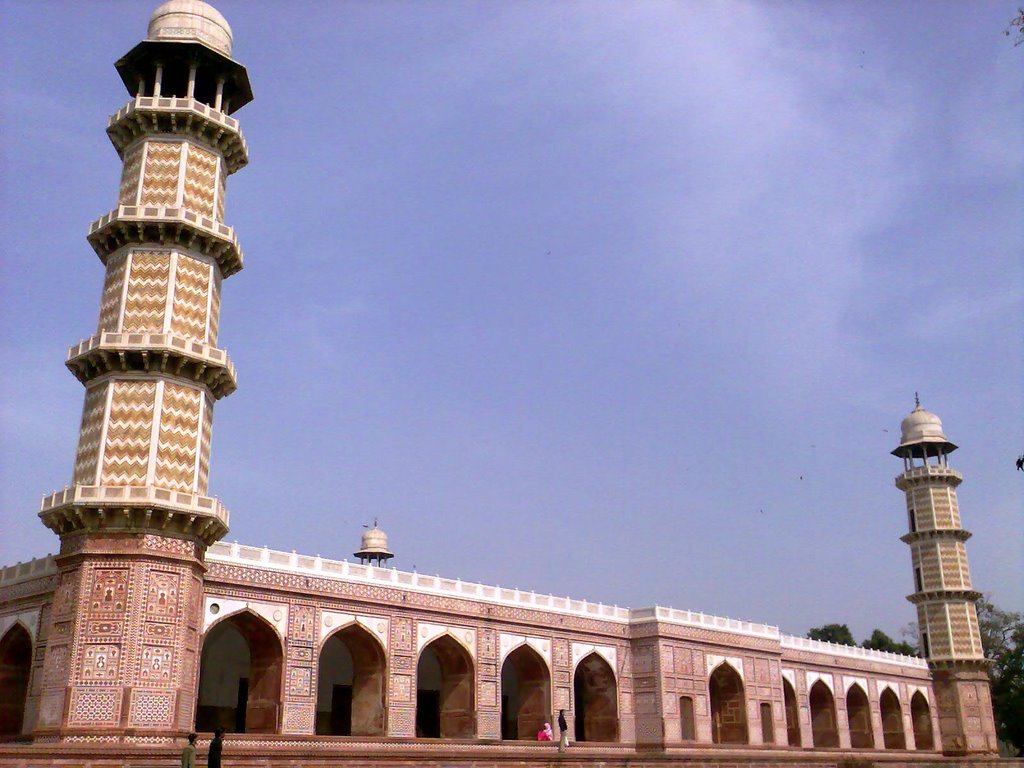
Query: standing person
(216, 746)
(188, 754)
(563, 727)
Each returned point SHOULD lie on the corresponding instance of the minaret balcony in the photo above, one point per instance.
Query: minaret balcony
(944, 596)
(153, 353)
(134, 509)
(166, 225)
(148, 115)
(919, 475)
(945, 534)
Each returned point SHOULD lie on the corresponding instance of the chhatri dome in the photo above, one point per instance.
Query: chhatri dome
(191, 20)
(920, 430)
(374, 546)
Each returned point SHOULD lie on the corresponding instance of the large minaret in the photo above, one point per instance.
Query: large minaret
(122, 638)
(943, 593)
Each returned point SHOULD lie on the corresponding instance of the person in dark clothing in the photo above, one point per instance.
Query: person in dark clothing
(216, 746)
(563, 727)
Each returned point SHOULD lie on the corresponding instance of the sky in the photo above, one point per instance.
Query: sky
(617, 300)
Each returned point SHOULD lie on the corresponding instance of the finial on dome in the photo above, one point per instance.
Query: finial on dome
(917, 401)
(921, 434)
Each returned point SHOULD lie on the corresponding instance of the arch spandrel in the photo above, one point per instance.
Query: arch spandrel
(883, 685)
(29, 620)
(733, 662)
(609, 653)
(428, 633)
(378, 627)
(508, 643)
(824, 677)
(849, 682)
(217, 609)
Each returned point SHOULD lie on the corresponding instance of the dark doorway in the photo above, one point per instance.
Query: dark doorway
(921, 717)
(792, 714)
(728, 706)
(445, 683)
(525, 694)
(823, 716)
(858, 714)
(596, 697)
(350, 684)
(240, 676)
(687, 727)
(892, 720)
(15, 668)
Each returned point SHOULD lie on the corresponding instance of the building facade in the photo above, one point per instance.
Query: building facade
(146, 626)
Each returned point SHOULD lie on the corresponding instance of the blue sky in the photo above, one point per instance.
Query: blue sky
(624, 301)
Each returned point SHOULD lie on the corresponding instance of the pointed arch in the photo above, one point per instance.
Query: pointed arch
(892, 720)
(728, 706)
(596, 696)
(445, 686)
(240, 675)
(792, 713)
(823, 716)
(351, 674)
(525, 693)
(921, 717)
(858, 715)
(15, 670)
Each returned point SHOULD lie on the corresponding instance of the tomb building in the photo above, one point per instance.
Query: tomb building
(146, 626)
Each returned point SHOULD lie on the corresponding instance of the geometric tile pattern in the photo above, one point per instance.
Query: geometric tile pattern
(113, 288)
(147, 292)
(204, 446)
(129, 428)
(89, 435)
(179, 438)
(192, 279)
(160, 180)
(215, 307)
(200, 180)
(130, 175)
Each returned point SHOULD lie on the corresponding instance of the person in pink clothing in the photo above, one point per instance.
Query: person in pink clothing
(545, 733)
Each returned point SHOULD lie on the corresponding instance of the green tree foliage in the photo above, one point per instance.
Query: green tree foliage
(832, 633)
(879, 641)
(1002, 637)
(1015, 28)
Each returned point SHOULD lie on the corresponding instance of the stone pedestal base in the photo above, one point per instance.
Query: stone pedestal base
(964, 702)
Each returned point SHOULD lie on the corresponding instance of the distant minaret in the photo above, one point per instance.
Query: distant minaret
(136, 519)
(943, 594)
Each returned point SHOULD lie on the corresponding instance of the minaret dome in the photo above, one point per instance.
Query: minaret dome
(191, 21)
(374, 546)
(921, 435)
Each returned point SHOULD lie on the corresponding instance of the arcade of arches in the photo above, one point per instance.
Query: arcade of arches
(525, 694)
(728, 708)
(15, 667)
(445, 707)
(823, 716)
(350, 684)
(240, 676)
(596, 696)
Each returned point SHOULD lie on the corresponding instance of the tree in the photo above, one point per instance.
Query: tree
(832, 633)
(1016, 28)
(879, 641)
(1002, 638)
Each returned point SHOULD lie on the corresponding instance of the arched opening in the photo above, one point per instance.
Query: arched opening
(892, 720)
(728, 708)
(444, 691)
(350, 685)
(240, 677)
(15, 668)
(858, 715)
(687, 724)
(823, 716)
(525, 694)
(921, 717)
(792, 714)
(596, 698)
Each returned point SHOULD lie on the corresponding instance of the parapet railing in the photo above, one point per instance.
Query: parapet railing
(453, 588)
(174, 104)
(33, 569)
(136, 495)
(705, 621)
(850, 651)
(164, 214)
(154, 342)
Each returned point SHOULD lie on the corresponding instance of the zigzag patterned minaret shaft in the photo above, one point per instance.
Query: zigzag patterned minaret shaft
(121, 647)
(943, 593)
